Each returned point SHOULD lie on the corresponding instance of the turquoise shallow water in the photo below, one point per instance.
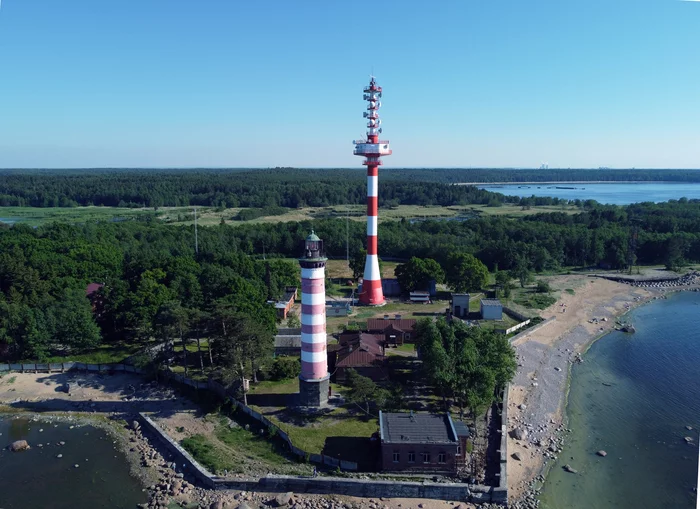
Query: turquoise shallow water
(38, 479)
(639, 420)
(615, 194)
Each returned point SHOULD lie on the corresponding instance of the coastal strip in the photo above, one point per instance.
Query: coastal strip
(537, 399)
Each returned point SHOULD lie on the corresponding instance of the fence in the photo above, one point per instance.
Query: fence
(319, 459)
(271, 483)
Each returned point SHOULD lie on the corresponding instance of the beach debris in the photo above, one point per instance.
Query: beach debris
(688, 440)
(522, 406)
(19, 446)
(59, 456)
(76, 466)
(569, 469)
(520, 433)
(602, 453)
(557, 368)
(516, 456)
(689, 427)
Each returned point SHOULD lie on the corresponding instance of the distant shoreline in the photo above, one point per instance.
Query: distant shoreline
(492, 184)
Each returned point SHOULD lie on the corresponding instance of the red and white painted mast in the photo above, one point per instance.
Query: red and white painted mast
(372, 149)
(314, 378)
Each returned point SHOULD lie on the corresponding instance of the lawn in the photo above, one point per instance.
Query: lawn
(34, 216)
(237, 450)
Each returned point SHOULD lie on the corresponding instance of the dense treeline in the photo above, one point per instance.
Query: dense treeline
(157, 286)
(217, 188)
(612, 236)
(285, 187)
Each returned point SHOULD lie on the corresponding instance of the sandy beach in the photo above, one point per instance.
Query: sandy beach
(537, 396)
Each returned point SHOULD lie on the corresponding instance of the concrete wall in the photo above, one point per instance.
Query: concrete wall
(533, 329)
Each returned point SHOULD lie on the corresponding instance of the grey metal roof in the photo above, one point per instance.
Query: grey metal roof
(288, 341)
(313, 236)
(461, 429)
(415, 428)
(289, 332)
(491, 302)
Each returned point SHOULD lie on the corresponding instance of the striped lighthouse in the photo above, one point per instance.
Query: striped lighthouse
(314, 378)
(372, 149)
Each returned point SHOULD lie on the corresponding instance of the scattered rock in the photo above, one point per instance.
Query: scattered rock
(76, 466)
(522, 406)
(135, 425)
(557, 368)
(243, 505)
(688, 440)
(520, 434)
(569, 469)
(283, 499)
(516, 456)
(19, 445)
(59, 456)
(602, 453)
(688, 428)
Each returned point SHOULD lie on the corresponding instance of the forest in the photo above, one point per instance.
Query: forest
(157, 286)
(287, 187)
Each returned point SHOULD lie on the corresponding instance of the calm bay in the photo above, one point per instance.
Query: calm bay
(633, 397)
(617, 193)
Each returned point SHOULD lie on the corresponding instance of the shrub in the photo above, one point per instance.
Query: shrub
(284, 368)
(543, 287)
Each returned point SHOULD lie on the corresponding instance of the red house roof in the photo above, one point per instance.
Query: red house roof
(364, 350)
(92, 288)
(401, 324)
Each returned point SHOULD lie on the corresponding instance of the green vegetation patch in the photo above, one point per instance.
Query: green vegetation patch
(208, 455)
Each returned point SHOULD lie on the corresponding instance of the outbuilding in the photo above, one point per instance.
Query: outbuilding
(491, 309)
(460, 305)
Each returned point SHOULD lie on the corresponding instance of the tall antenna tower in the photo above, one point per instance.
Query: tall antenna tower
(372, 149)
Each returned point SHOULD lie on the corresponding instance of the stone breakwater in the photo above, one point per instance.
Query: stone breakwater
(690, 279)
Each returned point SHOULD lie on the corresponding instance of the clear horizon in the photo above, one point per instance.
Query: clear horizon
(267, 84)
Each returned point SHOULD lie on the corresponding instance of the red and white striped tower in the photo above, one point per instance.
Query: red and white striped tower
(314, 378)
(372, 149)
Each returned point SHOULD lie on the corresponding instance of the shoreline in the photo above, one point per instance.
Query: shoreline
(547, 425)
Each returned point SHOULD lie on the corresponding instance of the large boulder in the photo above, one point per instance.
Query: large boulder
(283, 499)
(520, 433)
(19, 445)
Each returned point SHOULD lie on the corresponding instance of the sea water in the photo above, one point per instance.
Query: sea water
(633, 397)
(619, 193)
(39, 479)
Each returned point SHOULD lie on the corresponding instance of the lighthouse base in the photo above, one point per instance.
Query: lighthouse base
(371, 293)
(314, 393)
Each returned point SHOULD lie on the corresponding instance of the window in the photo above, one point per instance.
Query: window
(396, 457)
(441, 457)
(411, 457)
(459, 450)
(426, 457)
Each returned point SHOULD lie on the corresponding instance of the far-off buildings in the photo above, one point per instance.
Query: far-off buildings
(422, 443)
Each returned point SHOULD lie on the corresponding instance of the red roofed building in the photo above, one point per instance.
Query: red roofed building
(92, 292)
(362, 352)
(395, 331)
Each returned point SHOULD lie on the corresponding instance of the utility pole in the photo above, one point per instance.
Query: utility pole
(196, 238)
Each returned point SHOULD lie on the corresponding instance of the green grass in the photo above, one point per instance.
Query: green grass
(254, 447)
(535, 300)
(406, 347)
(570, 291)
(208, 455)
(34, 216)
(11, 380)
(289, 386)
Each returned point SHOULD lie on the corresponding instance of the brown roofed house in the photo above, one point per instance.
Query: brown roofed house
(362, 352)
(396, 331)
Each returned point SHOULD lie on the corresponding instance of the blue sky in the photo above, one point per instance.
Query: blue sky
(164, 83)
